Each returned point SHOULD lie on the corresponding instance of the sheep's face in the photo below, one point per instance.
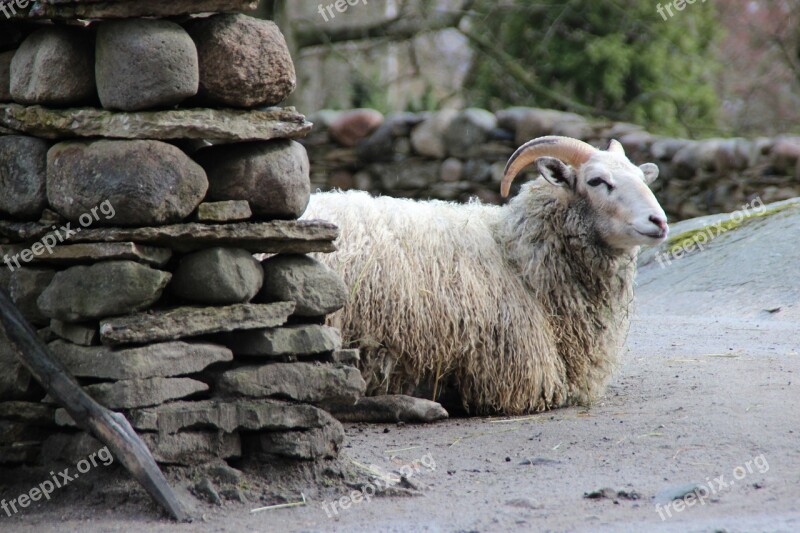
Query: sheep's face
(627, 213)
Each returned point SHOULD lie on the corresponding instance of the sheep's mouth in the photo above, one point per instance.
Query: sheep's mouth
(658, 235)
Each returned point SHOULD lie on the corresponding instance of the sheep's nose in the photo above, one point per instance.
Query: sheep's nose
(658, 221)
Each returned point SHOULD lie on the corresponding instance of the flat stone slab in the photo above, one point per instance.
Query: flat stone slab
(391, 408)
(93, 252)
(277, 236)
(229, 416)
(193, 447)
(302, 382)
(98, 9)
(192, 321)
(291, 340)
(307, 445)
(225, 211)
(154, 360)
(230, 125)
(132, 393)
(33, 413)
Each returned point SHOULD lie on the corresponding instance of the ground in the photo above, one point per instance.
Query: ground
(707, 394)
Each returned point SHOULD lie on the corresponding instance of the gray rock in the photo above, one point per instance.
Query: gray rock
(534, 123)
(82, 9)
(23, 176)
(70, 447)
(179, 124)
(218, 276)
(409, 175)
(428, 137)
(391, 408)
(468, 129)
(85, 292)
(25, 289)
(452, 170)
(5, 75)
(349, 356)
(95, 252)
(133, 393)
(15, 381)
(206, 490)
(80, 334)
(145, 64)
(193, 447)
(290, 340)
(303, 382)
(154, 360)
(54, 66)
(32, 413)
(228, 211)
(244, 62)
(315, 288)
(229, 416)
(223, 473)
(308, 445)
(272, 176)
(146, 182)
(278, 236)
(182, 322)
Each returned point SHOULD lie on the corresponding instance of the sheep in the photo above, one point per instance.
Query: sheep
(522, 307)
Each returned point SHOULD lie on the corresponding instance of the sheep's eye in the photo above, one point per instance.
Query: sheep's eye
(596, 182)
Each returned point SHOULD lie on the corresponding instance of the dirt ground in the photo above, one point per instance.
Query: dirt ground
(711, 398)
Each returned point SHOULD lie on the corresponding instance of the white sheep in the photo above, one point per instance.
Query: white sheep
(521, 307)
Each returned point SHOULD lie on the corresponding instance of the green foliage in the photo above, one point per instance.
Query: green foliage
(619, 57)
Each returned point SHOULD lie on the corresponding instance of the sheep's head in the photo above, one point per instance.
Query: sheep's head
(616, 190)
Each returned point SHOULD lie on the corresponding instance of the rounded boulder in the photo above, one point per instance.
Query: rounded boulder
(23, 176)
(315, 288)
(218, 276)
(102, 290)
(273, 176)
(147, 182)
(244, 62)
(144, 64)
(54, 66)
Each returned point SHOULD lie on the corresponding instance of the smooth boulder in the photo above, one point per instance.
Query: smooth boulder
(315, 288)
(273, 176)
(144, 64)
(244, 62)
(54, 66)
(218, 276)
(23, 176)
(102, 290)
(147, 182)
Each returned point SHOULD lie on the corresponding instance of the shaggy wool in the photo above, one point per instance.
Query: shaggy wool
(521, 308)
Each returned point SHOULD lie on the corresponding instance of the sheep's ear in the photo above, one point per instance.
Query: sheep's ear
(650, 171)
(556, 172)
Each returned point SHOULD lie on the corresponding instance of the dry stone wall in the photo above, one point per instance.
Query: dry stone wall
(141, 172)
(456, 155)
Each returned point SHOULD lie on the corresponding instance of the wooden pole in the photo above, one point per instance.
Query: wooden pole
(111, 428)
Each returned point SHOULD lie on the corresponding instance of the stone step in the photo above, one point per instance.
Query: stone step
(183, 322)
(171, 125)
(274, 237)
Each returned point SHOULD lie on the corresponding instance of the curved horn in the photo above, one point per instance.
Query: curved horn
(570, 151)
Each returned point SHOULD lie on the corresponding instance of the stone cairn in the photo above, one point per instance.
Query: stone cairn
(142, 167)
(457, 155)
